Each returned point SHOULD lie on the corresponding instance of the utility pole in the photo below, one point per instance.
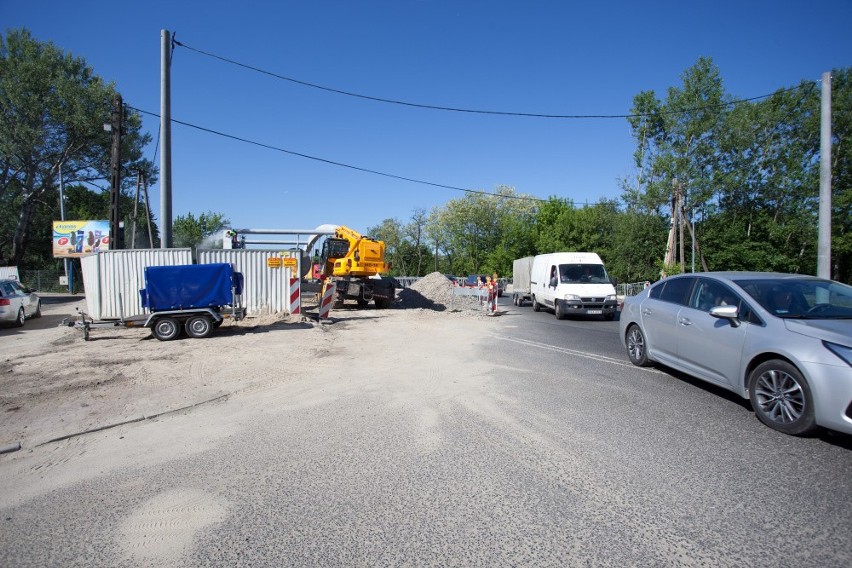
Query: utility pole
(824, 234)
(115, 172)
(165, 140)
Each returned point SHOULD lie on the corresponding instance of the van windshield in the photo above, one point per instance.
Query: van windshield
(583, 273)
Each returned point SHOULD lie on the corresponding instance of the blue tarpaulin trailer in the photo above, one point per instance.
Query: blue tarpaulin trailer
(191, 297)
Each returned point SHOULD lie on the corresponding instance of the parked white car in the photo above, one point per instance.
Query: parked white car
(17, 304)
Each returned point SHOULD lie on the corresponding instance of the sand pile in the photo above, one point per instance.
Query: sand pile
(435, 292)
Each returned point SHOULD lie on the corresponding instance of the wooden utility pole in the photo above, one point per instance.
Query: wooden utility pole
(675, 247)
(115, 172)
(141, 184)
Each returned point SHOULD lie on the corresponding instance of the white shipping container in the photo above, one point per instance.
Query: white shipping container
(112, 279)
(266, 289)
(9, 273)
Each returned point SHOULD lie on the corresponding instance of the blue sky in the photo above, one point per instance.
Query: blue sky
(543, 57)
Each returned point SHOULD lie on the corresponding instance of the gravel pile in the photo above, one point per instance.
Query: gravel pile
(435, 292)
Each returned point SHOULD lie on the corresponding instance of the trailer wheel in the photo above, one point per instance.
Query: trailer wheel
(166, 329)
(199, 327)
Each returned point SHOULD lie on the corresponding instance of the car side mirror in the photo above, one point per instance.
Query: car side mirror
(730, 313)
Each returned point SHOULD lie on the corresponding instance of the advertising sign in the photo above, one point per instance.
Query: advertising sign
(78, 238)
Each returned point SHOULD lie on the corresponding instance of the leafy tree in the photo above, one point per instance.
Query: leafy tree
(481, 233)
(205, 230)
(53, 109)
(841, 174)
(415, 233)
(392, 233)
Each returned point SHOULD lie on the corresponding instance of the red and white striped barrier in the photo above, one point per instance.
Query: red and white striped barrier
(327, 301)
(295, 296)
(491, 302)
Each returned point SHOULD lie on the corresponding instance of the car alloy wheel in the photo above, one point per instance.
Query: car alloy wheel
(637, 347)
(781, 398)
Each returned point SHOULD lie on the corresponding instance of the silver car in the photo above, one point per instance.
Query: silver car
(783, 341)
(17, 304)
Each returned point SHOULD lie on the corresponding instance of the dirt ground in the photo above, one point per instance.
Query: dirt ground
(55, 387)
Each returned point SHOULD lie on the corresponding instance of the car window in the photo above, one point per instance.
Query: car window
(7, 289)
(586, 273)
(677, 290)
(802, 297)
(708, 294)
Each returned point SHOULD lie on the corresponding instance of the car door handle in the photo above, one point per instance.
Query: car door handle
(685, 321)
(646, 312)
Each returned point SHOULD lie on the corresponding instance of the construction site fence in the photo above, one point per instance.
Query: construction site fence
(632, 288)
(407, 281)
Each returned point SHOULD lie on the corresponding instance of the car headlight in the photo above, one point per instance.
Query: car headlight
(611, 298)
(842, 351)
(572, 298)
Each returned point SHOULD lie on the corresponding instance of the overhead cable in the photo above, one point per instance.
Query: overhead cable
(340, 164)
(471, 111)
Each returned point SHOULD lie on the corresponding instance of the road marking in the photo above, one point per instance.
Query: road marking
(594, 356)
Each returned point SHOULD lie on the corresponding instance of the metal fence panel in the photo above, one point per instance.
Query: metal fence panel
(266, 287)
(112, 279)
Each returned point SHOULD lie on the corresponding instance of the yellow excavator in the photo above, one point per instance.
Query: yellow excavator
(355, 264)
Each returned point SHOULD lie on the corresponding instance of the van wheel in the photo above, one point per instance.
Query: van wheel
(536, 305)
(558, 310)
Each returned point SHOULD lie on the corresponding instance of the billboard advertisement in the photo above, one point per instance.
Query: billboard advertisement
(77, 238)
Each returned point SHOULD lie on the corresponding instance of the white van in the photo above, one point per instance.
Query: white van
(572, 283)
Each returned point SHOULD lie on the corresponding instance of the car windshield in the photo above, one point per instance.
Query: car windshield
(586, 273)
(804, 298)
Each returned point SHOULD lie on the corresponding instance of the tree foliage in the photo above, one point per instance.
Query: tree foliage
(204, 230)
(53, 109)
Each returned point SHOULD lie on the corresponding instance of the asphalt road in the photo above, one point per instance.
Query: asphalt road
(563, 454)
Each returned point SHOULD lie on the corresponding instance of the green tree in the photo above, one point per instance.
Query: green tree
(480, 233)
(53, 108)
(392, 233)
(204, 230)
(841, 174)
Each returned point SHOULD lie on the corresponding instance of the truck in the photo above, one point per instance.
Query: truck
(521, 271)
(195, 298)
(355, 263)
(572, 283)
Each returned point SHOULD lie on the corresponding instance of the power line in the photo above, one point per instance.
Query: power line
(465, 110)
(340, 164)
